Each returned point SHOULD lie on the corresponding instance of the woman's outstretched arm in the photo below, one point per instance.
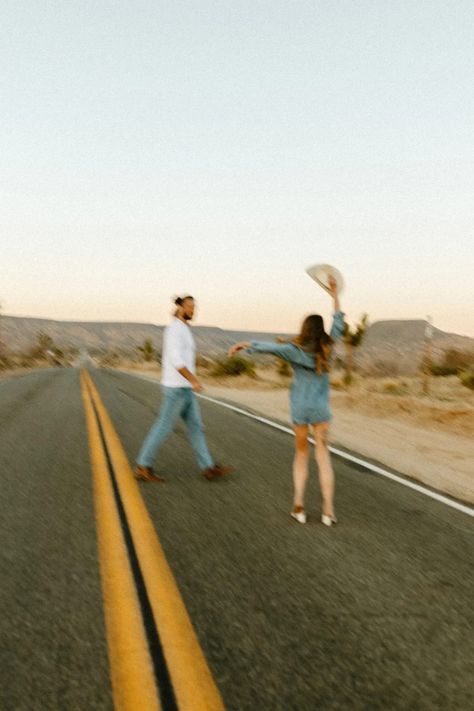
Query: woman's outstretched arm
(283, 350)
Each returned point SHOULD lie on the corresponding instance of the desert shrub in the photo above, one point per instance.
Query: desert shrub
(394, 388)
(444, 370)
(109, 360)
(467, 377)
(204, 362)
(43, 343)
(234, 365)
(352, 338)
(459, 359)
(147, 350)
(6, 363)
(283, 368)
(348, 379)
(24, 361)
(383, 367)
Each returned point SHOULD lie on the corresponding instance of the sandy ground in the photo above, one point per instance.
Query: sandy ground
(430, 439)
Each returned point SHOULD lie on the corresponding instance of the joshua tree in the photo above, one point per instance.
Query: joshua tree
(43, 346)
(352, 339)
(147, 350)
(45, 342)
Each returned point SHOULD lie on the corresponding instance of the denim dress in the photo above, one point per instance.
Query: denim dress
(309, 395)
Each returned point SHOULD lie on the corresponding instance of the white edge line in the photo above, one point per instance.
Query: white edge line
(339, 452)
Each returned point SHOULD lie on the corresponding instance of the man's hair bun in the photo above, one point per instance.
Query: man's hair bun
(180, 299)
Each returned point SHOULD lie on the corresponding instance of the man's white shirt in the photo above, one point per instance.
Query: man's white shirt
(179, 351)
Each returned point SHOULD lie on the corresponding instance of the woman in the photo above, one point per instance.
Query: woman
(309, 355)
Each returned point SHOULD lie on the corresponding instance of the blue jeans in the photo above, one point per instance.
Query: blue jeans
(178, 402)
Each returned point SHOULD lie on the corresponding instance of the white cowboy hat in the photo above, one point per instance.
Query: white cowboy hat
(321, 273)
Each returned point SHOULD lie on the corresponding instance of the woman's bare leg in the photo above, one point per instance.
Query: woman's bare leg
(300, 463)
(325, 470)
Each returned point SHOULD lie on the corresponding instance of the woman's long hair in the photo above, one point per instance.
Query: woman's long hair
(314, 339)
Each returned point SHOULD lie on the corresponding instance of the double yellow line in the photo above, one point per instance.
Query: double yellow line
(155, 658)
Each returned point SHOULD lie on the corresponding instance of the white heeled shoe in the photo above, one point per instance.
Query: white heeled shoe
(299, 515)
(328, 520)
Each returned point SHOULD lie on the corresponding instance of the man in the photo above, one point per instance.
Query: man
(179, 383)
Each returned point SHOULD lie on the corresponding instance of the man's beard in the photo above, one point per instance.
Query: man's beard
(187, 317)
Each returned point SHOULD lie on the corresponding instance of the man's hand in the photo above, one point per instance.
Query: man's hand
(190, 377)
(197, 387)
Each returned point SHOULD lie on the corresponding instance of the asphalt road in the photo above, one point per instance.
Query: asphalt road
(375, 613)
(53, 649)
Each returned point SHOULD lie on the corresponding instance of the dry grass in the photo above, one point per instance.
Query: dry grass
(265, 379)
(152, 368)
(448, 407)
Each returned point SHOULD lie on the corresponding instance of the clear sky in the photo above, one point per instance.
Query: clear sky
(154, 147)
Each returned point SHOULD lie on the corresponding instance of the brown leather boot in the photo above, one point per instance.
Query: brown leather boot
(146, 474)
(216, 471)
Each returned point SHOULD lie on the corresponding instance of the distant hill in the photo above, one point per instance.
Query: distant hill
(19, 334)
(386, 342)
(400, 343)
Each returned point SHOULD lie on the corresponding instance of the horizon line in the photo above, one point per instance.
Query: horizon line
(220, 328)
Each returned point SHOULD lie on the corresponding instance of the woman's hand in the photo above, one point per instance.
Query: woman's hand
(332, 283)
(241, 346)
